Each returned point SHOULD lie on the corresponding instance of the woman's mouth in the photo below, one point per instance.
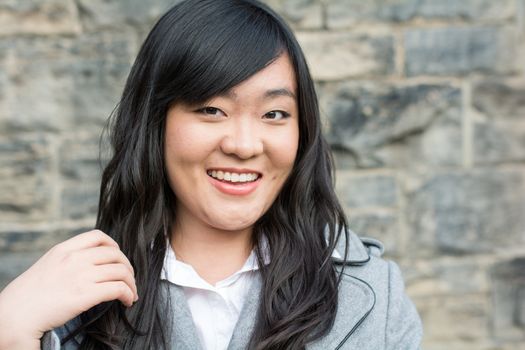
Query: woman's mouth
(236, 183)
(233, 177)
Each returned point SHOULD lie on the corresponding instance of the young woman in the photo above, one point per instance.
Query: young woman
(218, 223)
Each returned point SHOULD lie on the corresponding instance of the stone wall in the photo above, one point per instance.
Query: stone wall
(423, 103)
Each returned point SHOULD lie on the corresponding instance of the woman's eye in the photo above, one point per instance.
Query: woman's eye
(211, 111)
(277, 115)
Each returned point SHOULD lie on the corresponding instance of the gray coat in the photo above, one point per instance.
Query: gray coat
(373, 310)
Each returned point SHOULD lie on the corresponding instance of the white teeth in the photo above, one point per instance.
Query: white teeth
(233, 177)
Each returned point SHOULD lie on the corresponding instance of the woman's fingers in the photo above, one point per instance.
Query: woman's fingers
(104, 255)
(113, 290)
(93, 238)
(115, 273)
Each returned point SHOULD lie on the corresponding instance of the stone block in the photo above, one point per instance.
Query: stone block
(462, 212)
(499, 126)
(346, 13)
(300, 14)
(79, 201)
(500, 98)
(80, 159)
(381, 225)
(460, 50)
(40, 17)
(340, 55)
(499, 141)
(81, 167)
(38, 94)
(27, 185)
(98, 14)
(30, 239)
(508, 320)
(368, 190)
(99, 77)
(468, 10)
(383, 125)
(442, 276)
(455, 322)
(60, 83)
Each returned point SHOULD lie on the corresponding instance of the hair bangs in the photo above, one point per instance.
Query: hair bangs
(228, 43)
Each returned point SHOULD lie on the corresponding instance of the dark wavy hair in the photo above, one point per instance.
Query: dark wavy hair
(197, 50)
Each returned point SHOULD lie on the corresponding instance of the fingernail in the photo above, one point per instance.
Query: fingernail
(136, 298)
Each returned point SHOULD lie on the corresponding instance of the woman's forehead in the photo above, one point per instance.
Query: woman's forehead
(277, 80)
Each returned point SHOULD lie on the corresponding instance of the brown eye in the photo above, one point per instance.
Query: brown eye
(212, 111)
(277, 115)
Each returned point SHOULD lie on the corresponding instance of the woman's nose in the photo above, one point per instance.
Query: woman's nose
(243, 139)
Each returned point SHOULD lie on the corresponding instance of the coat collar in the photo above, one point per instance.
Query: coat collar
(356, 297)
(357, 253)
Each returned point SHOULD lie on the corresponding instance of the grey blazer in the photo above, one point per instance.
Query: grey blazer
(373, 310)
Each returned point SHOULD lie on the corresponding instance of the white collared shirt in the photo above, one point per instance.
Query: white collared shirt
(215, 309)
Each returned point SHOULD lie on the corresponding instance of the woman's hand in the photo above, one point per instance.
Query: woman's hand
(69, 279)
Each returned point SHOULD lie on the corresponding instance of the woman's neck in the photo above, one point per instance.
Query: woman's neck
(215, 254)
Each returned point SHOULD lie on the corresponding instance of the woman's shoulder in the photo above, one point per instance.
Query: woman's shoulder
(374, 310)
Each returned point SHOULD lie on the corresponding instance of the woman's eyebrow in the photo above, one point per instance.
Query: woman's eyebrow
(268, 94)
(279, 92)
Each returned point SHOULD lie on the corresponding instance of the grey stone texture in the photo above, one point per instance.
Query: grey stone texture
(340, 55)
(422, 101)
(460, 50)
(378, 223)
(347, 13)
(56, 84)
(38, 17)
(372, 124)
(102, 14)
(81, 169)
(499, 127)
(27, 180)
(509, 296)
(300, 14)
(459, 212)
(366, 191)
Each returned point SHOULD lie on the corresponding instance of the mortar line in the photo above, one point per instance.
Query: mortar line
(466, 124)
(520, 17)
(402, 224)
(400, 53)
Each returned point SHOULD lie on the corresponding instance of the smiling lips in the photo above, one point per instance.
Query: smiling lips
(232, 176)
(234, 183)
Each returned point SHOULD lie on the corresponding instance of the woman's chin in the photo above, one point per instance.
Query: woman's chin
(233, 222)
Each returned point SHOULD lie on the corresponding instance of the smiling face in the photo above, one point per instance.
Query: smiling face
(228, 158)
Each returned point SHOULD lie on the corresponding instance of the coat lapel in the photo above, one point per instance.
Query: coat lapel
(356, 301)
(246, 323)
(356, 298)
(182, 331)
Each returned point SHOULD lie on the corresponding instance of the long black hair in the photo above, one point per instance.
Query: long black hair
(198, 49)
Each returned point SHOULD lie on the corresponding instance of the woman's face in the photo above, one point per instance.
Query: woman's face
(228, 158)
